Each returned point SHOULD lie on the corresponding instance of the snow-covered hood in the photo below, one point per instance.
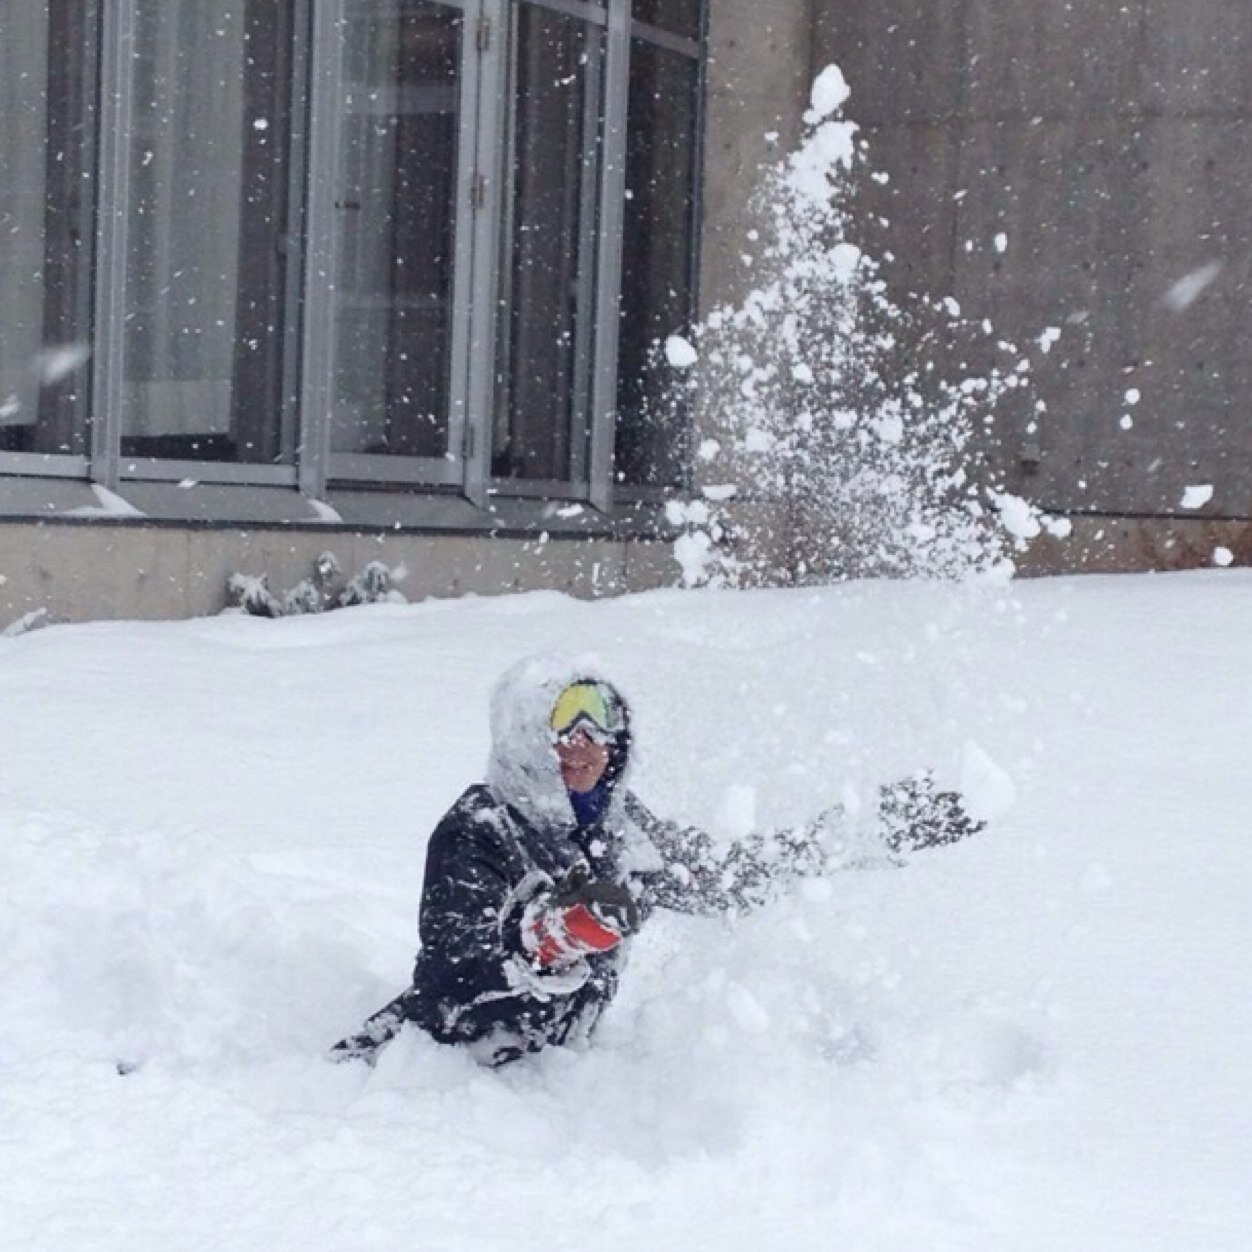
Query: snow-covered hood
(523, 770)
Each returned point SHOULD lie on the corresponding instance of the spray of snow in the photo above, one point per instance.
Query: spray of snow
(858, 450)
(1188, 289)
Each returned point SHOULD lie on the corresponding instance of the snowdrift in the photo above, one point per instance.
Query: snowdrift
(211, 856)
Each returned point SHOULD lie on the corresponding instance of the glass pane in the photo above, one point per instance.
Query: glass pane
(47, 75)
(205, 262)
(546, 272)
(679, 17)
(395, 207)
(657, 262)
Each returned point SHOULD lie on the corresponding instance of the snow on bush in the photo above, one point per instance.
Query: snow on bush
(321, 591)
(27, 622)
(833, 408)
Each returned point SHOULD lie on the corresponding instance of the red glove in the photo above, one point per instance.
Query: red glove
(577, 918)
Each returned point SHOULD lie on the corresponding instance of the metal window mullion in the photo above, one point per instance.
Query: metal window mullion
(463, 242)
(317, 387)
(485, 208)
(293, 237)
(497, 421)
(609, 255)
(585, 299)
(109, 340)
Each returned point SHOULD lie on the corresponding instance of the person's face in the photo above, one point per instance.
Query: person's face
(583, 761)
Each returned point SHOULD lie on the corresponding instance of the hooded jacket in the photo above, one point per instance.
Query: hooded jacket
(506, 841)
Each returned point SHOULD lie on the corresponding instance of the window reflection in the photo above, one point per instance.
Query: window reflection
(47, 67)
(395, 217)
(677, 17)
(205, 266)
(544, 352)
(657, 263)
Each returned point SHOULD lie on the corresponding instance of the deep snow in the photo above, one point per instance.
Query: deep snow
(1040, 1039)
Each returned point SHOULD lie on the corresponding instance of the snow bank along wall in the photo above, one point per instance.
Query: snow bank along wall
(1084, 167)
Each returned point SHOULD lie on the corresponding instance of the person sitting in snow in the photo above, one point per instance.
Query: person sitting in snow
(537, 880)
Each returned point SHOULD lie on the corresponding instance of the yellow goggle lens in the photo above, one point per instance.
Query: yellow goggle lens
(587, 703)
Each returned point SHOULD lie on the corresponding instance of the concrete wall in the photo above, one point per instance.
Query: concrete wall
(82, 571)
(759, 72)
(1110, 142)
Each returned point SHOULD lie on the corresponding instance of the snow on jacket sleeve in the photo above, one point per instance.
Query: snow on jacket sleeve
(699, 876)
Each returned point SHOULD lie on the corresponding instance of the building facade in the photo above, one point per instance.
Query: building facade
(361, 267)
(393, 277)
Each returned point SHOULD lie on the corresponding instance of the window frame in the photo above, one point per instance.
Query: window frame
(307, 351)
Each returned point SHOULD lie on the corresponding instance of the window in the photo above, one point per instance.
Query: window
(658, 272)
(346, 244)
(549, 176)
(395, 229)
(203, 327)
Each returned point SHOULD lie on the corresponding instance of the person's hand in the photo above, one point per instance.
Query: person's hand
(913, 815)
(579, 916)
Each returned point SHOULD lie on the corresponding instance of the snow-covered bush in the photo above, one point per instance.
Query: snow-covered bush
(26, 623)
(827, 404)
(324, 589)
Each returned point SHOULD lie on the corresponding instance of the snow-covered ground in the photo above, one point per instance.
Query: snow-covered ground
(211, 842)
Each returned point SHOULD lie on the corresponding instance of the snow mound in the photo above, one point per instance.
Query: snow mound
(212, 853)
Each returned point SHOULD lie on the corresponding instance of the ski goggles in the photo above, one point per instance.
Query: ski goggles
(587, 708)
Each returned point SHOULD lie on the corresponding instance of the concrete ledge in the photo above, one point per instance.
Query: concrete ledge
(136, 570)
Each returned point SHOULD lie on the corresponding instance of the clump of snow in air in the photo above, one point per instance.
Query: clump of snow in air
(1020, 519)
(694, 552)
(1036, 1039)
(1133, 396)
(1188, 289)
(1001, 243)
(809, 391)
(1223, 557)
(1049, 337)
(1197, 496)
(680, 353)
(829, 93)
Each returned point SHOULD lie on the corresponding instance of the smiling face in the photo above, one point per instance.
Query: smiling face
(583, 761)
